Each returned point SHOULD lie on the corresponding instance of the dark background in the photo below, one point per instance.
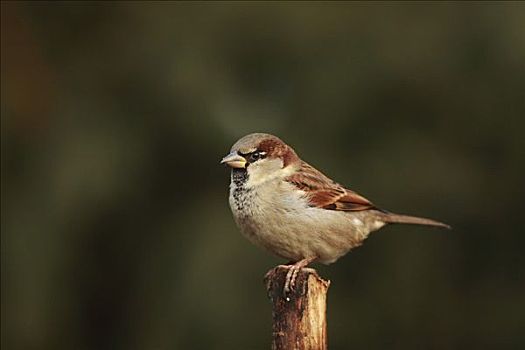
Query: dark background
(116, 231)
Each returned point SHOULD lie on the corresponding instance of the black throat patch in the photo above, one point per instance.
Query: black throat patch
(241, 195)
(239, 177)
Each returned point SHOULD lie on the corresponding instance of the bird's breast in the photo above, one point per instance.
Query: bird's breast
(263, 214)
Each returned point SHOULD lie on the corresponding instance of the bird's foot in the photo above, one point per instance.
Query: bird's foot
(293, 271)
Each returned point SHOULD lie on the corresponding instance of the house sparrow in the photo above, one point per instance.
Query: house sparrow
(291, 209)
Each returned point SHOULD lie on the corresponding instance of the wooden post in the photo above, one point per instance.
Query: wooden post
(299, 317)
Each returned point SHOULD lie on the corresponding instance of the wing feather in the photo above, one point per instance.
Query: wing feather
(322, 192)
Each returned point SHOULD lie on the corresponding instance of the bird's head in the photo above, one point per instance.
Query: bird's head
(261, 156)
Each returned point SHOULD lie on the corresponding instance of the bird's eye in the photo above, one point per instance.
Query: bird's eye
(255, 156)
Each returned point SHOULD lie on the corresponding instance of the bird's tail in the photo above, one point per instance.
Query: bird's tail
(391, 218)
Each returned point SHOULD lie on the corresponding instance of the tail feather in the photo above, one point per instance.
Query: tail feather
(392, 218)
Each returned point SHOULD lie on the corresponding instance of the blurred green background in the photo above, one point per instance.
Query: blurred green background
(116, 230)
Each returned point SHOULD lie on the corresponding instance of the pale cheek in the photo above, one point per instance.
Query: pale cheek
(262, 172)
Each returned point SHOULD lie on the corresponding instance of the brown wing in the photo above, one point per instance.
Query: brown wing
(324, 193)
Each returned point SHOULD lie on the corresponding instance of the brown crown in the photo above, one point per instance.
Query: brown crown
(275, 148)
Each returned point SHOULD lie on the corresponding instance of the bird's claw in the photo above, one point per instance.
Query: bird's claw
(291, 276)
(292, 272)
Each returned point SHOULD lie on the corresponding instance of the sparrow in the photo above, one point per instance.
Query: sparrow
(286, 206)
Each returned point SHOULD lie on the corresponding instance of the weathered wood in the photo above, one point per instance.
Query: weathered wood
(299, 316)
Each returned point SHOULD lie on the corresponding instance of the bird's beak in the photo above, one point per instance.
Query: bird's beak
(234, 160)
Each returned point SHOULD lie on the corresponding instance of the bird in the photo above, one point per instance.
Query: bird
(289, 208)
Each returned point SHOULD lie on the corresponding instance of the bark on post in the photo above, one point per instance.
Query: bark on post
(299, 317)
